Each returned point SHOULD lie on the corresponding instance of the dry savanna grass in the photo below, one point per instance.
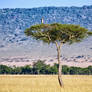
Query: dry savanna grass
(45, 83)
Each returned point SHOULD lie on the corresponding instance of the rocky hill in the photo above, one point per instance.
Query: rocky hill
(13, 22)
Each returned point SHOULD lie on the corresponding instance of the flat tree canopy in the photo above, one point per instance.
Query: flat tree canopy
(50, 33)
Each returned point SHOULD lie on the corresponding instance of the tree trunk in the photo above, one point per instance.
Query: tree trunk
(60, 68)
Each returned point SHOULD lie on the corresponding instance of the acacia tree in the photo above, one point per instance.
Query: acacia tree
(58, 34)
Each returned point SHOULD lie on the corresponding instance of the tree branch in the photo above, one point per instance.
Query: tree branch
(58, 46)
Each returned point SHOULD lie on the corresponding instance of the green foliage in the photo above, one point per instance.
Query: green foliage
(65, 69)
(40, 67)
(26, 70)
(90, 33)
(16, 70)
(64, 33)
(5, 69)
(90, 69)
(73, 70)
(53, 70)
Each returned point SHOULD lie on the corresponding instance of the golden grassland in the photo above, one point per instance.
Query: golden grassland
(45, 83)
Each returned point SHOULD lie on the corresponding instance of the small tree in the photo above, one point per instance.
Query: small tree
(58, 34)
(38, 66)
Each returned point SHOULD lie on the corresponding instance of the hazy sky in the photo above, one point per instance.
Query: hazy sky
(41, 3)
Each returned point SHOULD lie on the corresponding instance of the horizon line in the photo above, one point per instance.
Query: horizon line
(45, 7)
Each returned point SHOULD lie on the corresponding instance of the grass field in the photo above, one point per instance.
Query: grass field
(45, 83)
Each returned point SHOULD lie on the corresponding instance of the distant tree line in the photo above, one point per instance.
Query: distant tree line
(40, 67)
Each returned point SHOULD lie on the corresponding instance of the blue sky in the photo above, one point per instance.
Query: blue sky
(41, 3)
